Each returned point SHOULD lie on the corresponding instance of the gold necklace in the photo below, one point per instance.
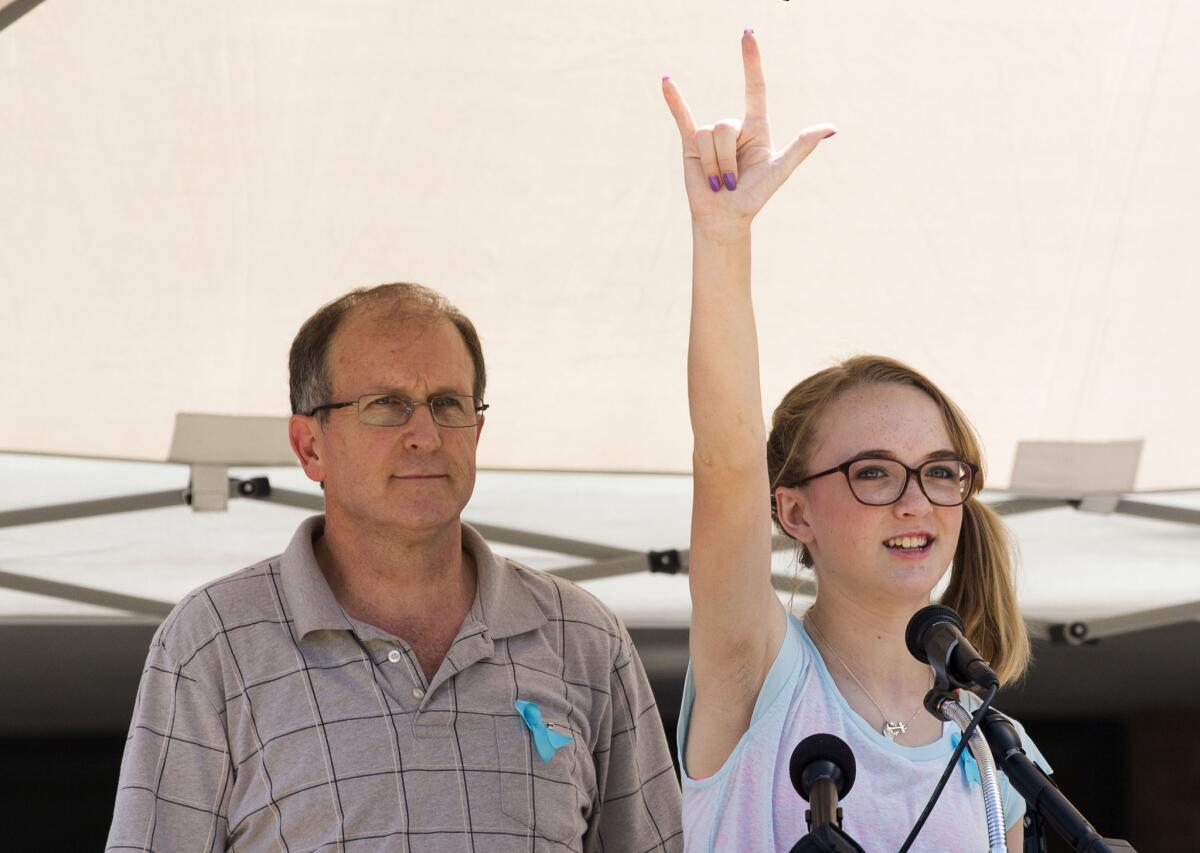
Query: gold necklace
(891, 728)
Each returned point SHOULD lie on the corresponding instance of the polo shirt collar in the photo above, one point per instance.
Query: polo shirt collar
(505, 605)
(307, 592)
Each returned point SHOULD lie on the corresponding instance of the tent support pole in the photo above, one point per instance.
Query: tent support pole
(85, 595)
(87, 509)
(13, 11)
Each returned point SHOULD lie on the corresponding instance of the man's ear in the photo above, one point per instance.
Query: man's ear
(304, 433)
(791, 508)
(479, 429)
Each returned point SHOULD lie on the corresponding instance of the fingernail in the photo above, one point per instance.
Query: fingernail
(715, 183)
(749, 31)
(666, 77)
(730, 181)
(831, 133)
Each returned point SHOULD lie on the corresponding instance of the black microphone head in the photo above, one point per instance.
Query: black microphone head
(830, 749)
(922, 621)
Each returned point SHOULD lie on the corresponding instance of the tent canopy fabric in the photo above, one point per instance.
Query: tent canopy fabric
(1074, 566)
(72, 652)
(1010, 206)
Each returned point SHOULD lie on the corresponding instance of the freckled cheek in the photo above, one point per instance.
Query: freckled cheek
(950, 527)
(951, 519)
(846, 526)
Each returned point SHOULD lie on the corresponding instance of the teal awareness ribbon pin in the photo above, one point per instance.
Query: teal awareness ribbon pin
(546, 741)
(970, 769)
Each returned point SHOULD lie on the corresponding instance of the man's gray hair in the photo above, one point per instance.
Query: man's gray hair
(307, 363)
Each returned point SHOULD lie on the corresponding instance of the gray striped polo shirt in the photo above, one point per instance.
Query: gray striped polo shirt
(269, 720)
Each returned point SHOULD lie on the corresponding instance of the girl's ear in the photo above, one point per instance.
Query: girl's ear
(791, 508)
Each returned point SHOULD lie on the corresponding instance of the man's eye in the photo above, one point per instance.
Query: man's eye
(448, 403)
(386, 402)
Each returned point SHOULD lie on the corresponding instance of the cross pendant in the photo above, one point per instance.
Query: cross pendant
(892, 730)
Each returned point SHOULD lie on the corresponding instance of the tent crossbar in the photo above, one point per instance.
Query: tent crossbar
(85, 594)
(1017, 506)
(635, 563)
(1159, 512)
(491, 532)
(557, 544)
(11, 12)
(88, 509)
(632, 564)
(1082, 632)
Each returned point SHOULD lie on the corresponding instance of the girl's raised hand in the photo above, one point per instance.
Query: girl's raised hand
(731, 168)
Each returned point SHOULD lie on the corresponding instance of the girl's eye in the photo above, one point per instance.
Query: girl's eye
(873, 472)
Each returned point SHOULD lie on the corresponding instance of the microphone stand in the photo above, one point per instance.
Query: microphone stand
(822, 771)
(942, 702)
(827, 838)
(1041, 794)
(944, 705)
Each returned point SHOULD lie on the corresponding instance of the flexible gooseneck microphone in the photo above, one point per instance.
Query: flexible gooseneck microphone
(935, 636)
(822, 772)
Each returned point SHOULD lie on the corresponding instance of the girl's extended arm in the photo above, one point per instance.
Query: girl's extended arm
(730, 170)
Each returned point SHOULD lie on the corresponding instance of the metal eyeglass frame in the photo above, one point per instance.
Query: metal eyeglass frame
(908, 472)
(411, 406)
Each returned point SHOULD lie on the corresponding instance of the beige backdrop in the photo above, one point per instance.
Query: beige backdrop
(1010, 205)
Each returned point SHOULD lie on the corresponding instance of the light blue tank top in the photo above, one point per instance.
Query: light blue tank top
(749, 804)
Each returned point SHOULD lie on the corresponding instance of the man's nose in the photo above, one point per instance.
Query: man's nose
(421, 433)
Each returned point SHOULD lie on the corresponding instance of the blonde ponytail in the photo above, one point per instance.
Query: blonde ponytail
(982, 591)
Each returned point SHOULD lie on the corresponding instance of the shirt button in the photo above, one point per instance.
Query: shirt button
(394, 656)
(418, 693)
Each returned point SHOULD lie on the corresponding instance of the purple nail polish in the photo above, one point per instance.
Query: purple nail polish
(730, 181)
(715, 183)
(749, 31)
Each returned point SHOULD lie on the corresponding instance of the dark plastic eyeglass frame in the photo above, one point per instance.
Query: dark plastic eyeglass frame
(908, 473)
(478, 407)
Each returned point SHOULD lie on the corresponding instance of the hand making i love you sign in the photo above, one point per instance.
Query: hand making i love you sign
(731, 168)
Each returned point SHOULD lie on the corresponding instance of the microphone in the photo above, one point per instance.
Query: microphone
(822, 772)
(935, 636)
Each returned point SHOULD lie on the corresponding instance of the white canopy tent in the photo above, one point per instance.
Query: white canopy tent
(1010, 206)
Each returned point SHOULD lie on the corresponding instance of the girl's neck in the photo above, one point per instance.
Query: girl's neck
(866, 656)
(868, 639)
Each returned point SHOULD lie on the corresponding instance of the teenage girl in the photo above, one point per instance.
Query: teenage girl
(875, 474)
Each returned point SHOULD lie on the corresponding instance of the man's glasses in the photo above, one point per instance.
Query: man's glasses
(448, 410)
(879, 481)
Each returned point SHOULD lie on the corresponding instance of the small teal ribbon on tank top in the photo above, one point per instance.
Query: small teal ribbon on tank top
(546, 740)
(970, 769)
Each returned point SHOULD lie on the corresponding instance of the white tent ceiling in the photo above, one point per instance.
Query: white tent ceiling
(1075, 566)
(80, 597)
(1010, 205)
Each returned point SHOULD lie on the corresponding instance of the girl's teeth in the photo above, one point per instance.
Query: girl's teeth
(908, 542)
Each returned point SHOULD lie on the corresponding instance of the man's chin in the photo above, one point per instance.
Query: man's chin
(401, 518)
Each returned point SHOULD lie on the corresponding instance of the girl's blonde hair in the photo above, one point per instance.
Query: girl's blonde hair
(981, 579)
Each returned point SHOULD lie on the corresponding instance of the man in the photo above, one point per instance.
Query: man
(387, 683)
